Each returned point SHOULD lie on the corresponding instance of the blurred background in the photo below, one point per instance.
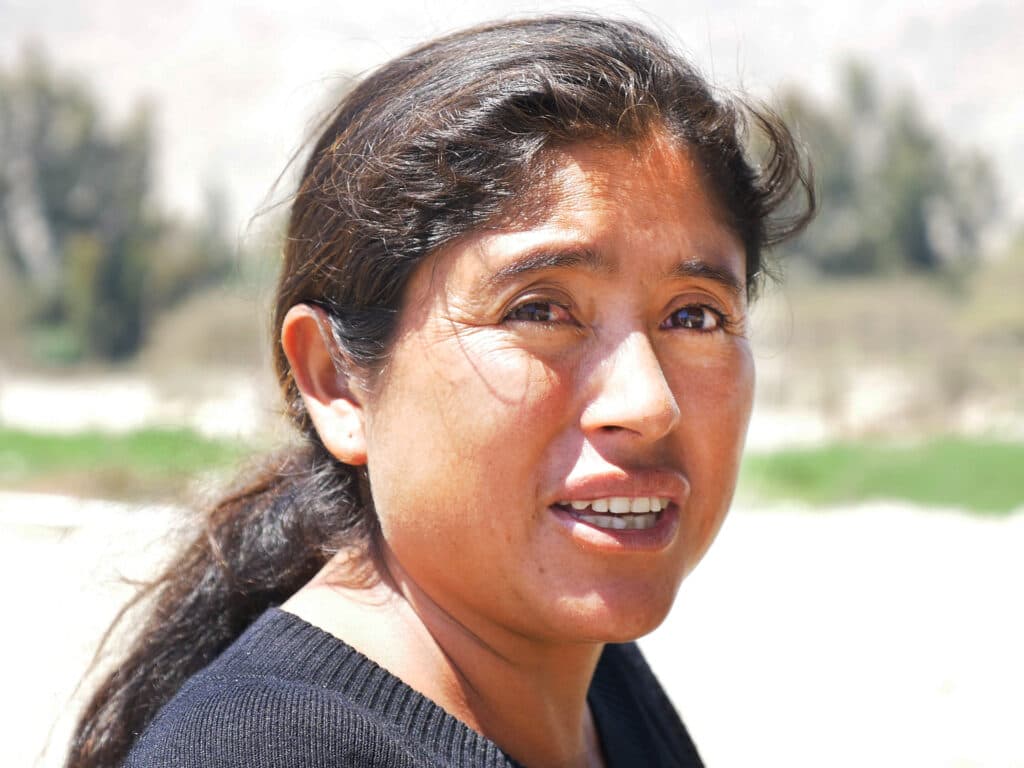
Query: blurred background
(862, 604)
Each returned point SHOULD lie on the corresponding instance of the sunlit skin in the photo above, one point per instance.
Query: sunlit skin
(597, 351)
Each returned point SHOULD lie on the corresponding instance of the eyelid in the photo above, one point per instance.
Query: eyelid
(541, 294)
(732, 308)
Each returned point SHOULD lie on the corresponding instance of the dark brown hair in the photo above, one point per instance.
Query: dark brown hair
(432, 145)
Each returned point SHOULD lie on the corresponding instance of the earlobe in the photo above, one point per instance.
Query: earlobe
(332, 400)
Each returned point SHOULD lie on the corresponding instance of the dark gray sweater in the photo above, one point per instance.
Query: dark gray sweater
(289, 695)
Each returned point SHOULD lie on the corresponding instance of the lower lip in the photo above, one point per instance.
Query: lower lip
(652, 539)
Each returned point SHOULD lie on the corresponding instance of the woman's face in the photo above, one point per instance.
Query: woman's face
(548, 376)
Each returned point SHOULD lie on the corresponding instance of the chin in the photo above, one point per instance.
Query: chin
(617, 617)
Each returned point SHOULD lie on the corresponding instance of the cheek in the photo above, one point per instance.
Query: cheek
(717, 391)
(466, 418)
(715, 399)
(508, 373)
(736, 391)
(501, 394)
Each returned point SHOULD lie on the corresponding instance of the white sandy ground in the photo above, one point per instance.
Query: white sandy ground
(231, 404)
(881, 635)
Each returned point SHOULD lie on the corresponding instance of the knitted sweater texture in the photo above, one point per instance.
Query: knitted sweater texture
(287, 694)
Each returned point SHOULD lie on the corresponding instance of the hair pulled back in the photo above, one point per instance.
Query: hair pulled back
(441, 141)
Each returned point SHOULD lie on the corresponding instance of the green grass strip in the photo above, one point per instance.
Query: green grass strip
(977, 475)
(172, 452)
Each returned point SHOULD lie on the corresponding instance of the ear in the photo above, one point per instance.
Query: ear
(332, 400)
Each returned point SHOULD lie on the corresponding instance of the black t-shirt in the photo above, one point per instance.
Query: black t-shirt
(287, 694)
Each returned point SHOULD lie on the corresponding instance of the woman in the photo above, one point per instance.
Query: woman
(512, 319)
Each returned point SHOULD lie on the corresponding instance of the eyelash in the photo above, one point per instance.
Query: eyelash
(720, 319)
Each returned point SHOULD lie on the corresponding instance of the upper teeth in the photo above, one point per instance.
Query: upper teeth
(620, 505)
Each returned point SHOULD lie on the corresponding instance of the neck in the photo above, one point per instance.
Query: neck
(527, 696)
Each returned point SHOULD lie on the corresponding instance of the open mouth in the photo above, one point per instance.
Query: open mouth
(618, 513)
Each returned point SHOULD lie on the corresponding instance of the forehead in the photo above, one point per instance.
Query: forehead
(657, 178)
(642, 205)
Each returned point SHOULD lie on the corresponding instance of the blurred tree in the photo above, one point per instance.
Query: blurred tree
(76, 219)
(894, 195)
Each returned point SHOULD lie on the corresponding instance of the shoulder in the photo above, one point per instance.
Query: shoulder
(289, 695)
(224, 722)
(284, 694)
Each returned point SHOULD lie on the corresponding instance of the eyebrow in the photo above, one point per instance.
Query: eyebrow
(701, 269)
(545, 258)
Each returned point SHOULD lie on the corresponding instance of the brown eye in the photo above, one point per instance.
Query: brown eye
(539, 312)
(695, 317)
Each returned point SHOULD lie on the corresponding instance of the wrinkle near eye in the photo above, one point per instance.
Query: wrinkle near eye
(507, 369)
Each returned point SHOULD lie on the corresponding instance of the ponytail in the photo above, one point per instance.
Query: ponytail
(258, 546)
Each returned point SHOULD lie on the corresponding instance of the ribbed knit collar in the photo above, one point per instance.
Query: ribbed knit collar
(282, 645)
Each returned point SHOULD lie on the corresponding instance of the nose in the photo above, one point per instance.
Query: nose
(631, 393)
